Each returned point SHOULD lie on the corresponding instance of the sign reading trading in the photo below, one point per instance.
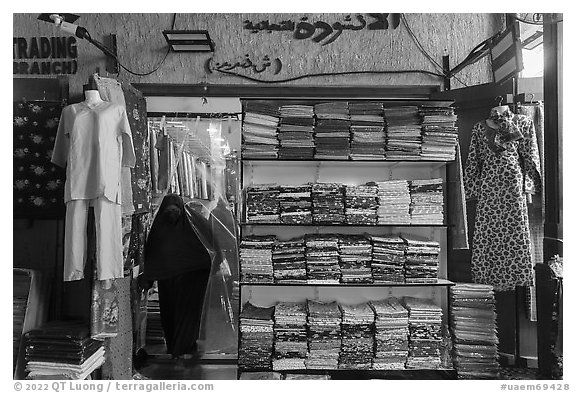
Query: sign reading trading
(45, 56)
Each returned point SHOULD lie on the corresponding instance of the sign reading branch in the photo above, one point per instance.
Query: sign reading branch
(45, 55)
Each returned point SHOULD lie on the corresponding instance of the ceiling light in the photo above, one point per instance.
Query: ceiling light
(189, 40)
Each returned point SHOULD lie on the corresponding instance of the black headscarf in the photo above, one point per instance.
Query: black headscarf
(173, 247)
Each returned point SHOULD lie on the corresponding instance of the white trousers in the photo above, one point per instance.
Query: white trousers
(108, 223)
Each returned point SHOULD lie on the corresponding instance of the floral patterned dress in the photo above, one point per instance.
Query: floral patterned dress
(38, 184)
(500, 179)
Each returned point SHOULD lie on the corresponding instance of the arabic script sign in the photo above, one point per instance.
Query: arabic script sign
(245, 63)
(330, 32)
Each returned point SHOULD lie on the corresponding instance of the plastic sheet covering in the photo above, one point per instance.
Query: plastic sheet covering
(218, 330)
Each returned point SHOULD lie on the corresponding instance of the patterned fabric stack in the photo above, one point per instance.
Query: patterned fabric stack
(154, 331)
(295, 204)
(391, 334)
(473, 328)
(355, 259)
(259, 130)
(388, 259)
(422, 260)
(362, 205)
(290, 338)
(368, 131)
(307, 377)
(404, 138)
(425, 324)
(427, 202)
(393, 202)
(262, 203)
(322, 259)
(440, 134)
(256, 337)
(332, 132)
(62, 350)
(296, 132)
(289, 261)
(357, 351)
(324, 335)
(328, 203)
(256, 259)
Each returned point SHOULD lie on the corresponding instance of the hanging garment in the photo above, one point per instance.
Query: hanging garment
(179, 261)
(111, 90)
(93, 143)
(457, 203)
(38, 184)
(109, 247)
(536, 206)
(499, 177)
(141, 179)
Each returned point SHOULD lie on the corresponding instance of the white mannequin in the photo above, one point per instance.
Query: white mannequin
(91, 93)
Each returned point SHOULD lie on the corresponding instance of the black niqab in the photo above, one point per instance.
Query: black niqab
(172, 247)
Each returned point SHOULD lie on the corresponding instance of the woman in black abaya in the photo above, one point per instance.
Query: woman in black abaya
(177, 259)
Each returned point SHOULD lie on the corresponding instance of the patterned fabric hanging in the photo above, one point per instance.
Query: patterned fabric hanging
(38, 184)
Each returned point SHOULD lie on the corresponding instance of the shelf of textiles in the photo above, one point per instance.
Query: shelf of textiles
(395, 202)
(340, 259)
(154, 332)
(436, 374)
(474, 331)
(349, 130)
(389, 334)
(22, 281)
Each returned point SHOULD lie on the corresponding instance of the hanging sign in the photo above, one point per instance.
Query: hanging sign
(327, 33)
(45, 55)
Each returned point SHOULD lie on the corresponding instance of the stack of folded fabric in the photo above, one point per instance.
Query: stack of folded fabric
(307, 377)
(425, 324)
(391, 334)
(388, 259)
(259, 130)
(262, 204)
(355, 259)
(260, 376)
(361, 204)
(328, 203)
(256, 259)
(62, 350)
(322, 259)
(289, 261)
(367, 126)
(473, 328)
(290, 337)
(440, 134)
(256, 337)
(393, 202)
(422, 260)
(295, 204)
(324, 335)
(296, 132)
(154, 331)
(427, 202)
(404, 139)
(332, 131)
(357, 351)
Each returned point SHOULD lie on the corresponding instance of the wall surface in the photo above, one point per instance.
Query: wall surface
(141, 47)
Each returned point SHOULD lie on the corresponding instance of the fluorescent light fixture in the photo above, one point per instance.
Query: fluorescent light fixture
(189, 40)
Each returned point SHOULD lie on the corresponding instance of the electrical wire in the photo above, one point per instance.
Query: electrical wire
(425, 53)
(108, 52)
(331, 74)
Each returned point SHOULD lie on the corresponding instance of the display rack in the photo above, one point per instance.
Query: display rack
(279, 168)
